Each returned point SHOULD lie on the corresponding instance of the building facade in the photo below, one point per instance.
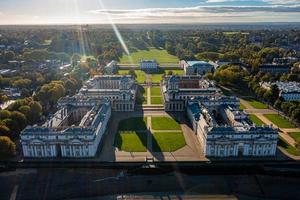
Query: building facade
(225, 131)
(289, 91)
(177, 90)
(149, 65)
(119, 89)
(196, 67)
(75, 131)
(274, 68)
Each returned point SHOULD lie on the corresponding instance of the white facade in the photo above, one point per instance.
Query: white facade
(68, 134)
(149, 65)
(237, 137)
(197, 67)
(289, 91)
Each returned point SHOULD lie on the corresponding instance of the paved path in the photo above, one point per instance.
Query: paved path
(148, 95)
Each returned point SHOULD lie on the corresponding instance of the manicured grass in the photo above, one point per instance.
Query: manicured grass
(256, 104)
(164, 123)
(131, 141)
(256, 120)
(175, 72)
(155, 91)
(296, 136)
(141, 76)
(279, 121)
(290, 149)
(133, 124)
(156, 100)
(161, 56)
(167, 142)
(242, 107)
(156, 78)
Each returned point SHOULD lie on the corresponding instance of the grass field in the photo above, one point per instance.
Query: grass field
(175, 72)
(161, 56)
(256, 120)
(156, 78)
(167, 142)
(155, 91)
(156, 100)
(131, 141)
(133, 124)
(141, 76)
(290, 149)
(296, 136)
(164, 123)
(242, 107)
(256, 104)
(279, 121)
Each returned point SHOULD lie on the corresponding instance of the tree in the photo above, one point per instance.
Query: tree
(9, 55)
(132, 73)
(296, 115)
(7, 147)
(4, 130)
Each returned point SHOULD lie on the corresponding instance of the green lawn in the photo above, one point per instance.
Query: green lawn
(256, 104)
(161, 56)
(156, 100)
(156, 78)
(175, 72)
(279, 121)
(133, 124)
(256, 120)
(131, 141)
(167, 142)
(164, 123)
(242, 107)
(290, 149)
(155, 91)
(141, 76)
(296, 136)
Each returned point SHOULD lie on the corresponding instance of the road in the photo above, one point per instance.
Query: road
(78, 183)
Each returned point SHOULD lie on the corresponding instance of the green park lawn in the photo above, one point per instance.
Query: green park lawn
(256, 104)
(156, 100)
(242, 107)
(133, 124)
(167, 141)
(161, 56)
(295, 135)
(141, 76)
(164, 123)
(279, 121)
(256, 120)
(131, 141)
(155, 91)
(175, 72)
(156, 78)
(286, 146)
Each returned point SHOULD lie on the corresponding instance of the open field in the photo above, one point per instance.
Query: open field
(256, 104)
(164, 123)
(141, 76)
(295, 136)
(133, 124)
(286, 146)
(131, 141)
(175, 72)
(242, 107)
(168, 141)
(161, 56)
(256, 120)
(156, 78)
(279, 121)
(156, 100)
(155, 91)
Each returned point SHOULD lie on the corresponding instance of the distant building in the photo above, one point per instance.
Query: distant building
(225, 131)
(75, 131)
(177, 90)
(197, 67)
(111, 68)
(285, 60)
(149, 65)
(289, 91)
(274, 68)
(119, 89)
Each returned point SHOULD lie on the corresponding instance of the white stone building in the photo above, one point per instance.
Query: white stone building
(119, 89)
(75, 131)
(197, 67)
(289, 91)
(149, 65)
(177, 90)
(225, 131)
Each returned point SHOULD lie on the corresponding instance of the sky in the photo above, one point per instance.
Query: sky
(147, 11)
